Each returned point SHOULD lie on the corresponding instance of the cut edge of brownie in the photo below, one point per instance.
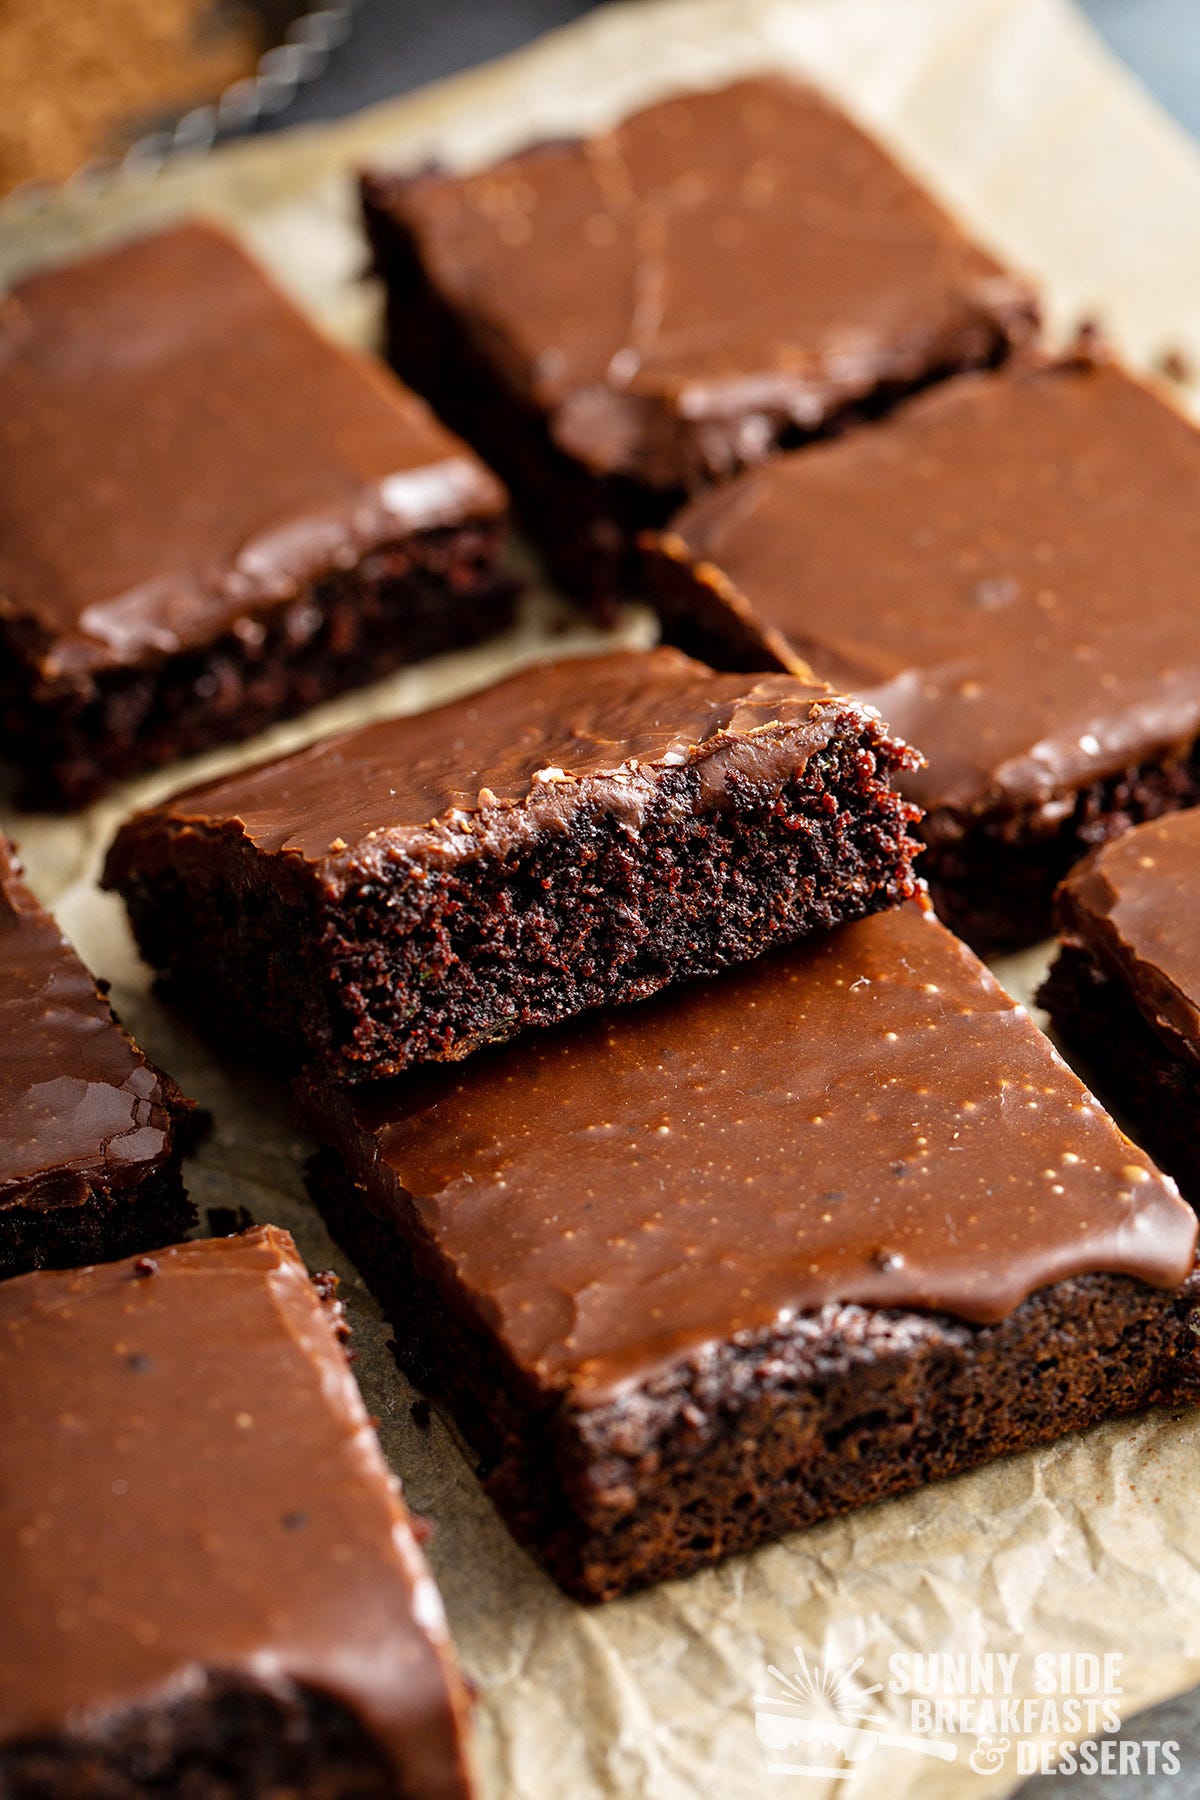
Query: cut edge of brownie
(400, 970)
(66, 1218)
(992, 875)
(216, 1734)
(1128, 1064)
(438, 590)
(776, 1430)
(586, 524)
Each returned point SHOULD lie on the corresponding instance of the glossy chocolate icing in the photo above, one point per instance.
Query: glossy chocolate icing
(77, 1097)
(675, 292)
(180, 449)
(522, 755)
(1007, 567)
(189, 1482)
(868, 1118)
(1134, 905)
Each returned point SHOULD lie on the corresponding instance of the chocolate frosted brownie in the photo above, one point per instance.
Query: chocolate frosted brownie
(210, 516)
(1008, 568)
(91, 1133)
(762, 1250)
(583, 832)
(619, 322)
(212, 1586)
(1124, 992)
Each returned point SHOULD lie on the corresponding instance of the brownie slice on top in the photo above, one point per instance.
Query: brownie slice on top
(212, 1586)
(91, 1133)
(707, 1270)
(586, 831)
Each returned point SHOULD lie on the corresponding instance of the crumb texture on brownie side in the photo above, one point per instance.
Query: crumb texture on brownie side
(420, 956)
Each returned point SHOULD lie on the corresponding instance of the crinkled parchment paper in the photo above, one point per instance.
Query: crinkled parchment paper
(1011, 111)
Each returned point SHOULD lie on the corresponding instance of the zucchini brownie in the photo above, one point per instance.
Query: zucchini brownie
(212, 1586)
(703, 1271)
(1124, 993)
(91, 1133)
(1009, 568)
(584, 832)
(619, 321)
(210, 515)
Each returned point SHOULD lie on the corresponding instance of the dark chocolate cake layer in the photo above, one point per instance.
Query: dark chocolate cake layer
(1007, 569)
(584, 832)
(701, 1272)
(618, 322)
(91, 1133)
(212, 1586)
(210, 515)
(1124, 993)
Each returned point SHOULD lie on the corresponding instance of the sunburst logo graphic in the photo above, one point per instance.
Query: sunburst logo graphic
(827, 1689)
(825, 1708)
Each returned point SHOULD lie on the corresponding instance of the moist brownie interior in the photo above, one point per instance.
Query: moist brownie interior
(586, 831)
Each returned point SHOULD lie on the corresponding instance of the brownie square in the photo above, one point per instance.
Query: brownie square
(1008, 568)
(1124, 992)
(210, 515)
(91, 1133)
(761, 1250)
(583, 832)
(212, 1586)
(619, 322)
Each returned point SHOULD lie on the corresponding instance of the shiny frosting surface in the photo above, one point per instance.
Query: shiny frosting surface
(1007, 567)
(189, 1482)
(76, 1095)
(868, 1118)
(179, 448)
(717, 253)
(536, 739)
(1134, 904)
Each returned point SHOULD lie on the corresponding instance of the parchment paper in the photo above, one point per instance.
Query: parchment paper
(1012, 112)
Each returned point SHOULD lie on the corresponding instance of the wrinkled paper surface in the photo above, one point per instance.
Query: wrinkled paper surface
(1011, 111)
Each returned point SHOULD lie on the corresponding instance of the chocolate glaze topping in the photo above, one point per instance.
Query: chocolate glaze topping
(189, 1482)
(179, 449)
(868, 1118)
(452, 780)
(1134, 906)
(670, 291)
(76, 1094)
(1007, 567)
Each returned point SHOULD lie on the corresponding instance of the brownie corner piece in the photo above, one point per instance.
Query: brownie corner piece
(92, 1135)
(803, 277)
(838, 1224)
(330, 529)
(584, 832)
(214, 1586)
(1123, 992)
